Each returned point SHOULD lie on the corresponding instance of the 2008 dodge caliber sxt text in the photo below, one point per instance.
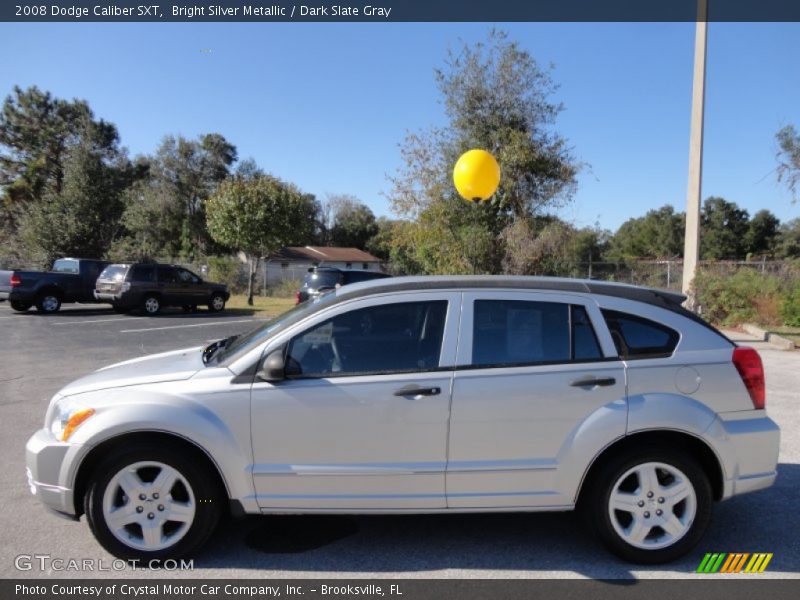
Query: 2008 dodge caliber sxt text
(421, 395)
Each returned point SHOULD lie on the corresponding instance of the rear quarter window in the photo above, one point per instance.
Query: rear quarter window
(637, 337)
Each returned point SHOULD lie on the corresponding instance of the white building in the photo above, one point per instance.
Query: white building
(293, 262)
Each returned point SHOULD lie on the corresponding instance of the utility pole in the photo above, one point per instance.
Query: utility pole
(691, 249)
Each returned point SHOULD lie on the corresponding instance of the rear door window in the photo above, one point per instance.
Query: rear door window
(522, 332)
(143, 273)
(167, 275)
(637, 337)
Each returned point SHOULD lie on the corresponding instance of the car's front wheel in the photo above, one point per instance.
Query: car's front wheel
(146, 503)
(649, 508)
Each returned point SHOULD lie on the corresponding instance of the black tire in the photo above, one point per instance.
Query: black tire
(217, 302)
(595, 505)
(19, 306)
(207, 495)
(48, 302)
(151, 305)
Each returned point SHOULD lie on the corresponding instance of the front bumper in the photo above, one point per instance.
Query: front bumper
(749, 451)
(49, 471)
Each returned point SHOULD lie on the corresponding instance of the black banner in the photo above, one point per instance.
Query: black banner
(713, 588)
(400, 11)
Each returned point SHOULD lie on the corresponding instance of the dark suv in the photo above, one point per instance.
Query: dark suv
(320, 280)
(151, 287)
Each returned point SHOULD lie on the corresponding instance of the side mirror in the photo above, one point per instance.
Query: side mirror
(273, 368)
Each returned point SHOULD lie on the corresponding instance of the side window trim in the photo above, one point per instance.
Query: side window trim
(598, 326)
(610, 316)
(447, 355)
(337, 355)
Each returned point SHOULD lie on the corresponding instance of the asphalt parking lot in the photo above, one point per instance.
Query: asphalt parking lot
(39, 354)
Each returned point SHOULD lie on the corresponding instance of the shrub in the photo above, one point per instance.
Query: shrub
(284, 289)
(228, 270)
(742, 296)
(790, 309)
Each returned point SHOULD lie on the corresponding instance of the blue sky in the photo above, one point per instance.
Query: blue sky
(325, 105)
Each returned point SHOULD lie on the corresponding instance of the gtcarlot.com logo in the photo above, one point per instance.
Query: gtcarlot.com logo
(734, 562)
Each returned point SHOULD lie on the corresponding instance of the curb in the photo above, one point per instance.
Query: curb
(780, 342)
(755, 331)
(773, 339)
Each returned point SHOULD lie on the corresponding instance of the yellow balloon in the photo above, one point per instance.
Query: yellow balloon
(476, 175)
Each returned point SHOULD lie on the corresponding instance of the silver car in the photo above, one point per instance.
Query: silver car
(421, 395)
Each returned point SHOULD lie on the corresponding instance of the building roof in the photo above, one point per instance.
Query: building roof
(324, 254)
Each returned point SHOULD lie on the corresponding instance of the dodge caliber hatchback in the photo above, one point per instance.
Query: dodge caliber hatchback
(150, 287)
(421, 395)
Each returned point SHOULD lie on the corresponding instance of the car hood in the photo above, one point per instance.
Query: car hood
(155, 368)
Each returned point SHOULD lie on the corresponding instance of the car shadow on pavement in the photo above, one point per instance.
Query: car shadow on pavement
(490, 544)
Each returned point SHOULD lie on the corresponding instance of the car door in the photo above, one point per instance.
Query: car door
(361, 420)
(169, 287)
(538, 390)
(192, 288)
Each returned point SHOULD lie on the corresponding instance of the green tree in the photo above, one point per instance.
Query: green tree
(496, 97)
(380, 244)
(37, 132)
(723, 230)
(258, 217)
(82, 217)
(658, 234)
(165, 216)
(789, 158)
(349, 222)
(788, 243)
(763, 231)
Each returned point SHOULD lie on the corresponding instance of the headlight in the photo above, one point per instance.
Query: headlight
(67, 417)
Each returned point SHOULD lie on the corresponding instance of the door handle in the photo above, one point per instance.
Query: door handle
(593, 381)
(414, 390)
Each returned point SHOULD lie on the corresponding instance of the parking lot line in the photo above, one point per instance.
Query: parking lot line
(220, 322)
(81, 322)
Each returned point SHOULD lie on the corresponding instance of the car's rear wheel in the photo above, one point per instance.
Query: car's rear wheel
(151, 305)
(48, 302)
(19, 306)
(148, 503)
(216, 303)
(649, 508)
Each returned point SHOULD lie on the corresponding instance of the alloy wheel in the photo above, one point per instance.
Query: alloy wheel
(149, 506)
(652, 505)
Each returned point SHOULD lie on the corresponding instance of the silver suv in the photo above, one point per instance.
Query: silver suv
(421, 395)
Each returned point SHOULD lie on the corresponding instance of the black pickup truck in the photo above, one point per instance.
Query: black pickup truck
(70, 280)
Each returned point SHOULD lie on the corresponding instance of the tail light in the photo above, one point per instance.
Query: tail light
(748, 363)
(15, 280)
(297, 297)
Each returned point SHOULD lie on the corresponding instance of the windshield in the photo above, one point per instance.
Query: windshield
(244, 343)
(321, 279)
(66, 265)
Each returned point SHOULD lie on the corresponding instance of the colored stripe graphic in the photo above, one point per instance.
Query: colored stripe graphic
(711, 562)
(735, 562)
(759, 562)
(722, 562)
